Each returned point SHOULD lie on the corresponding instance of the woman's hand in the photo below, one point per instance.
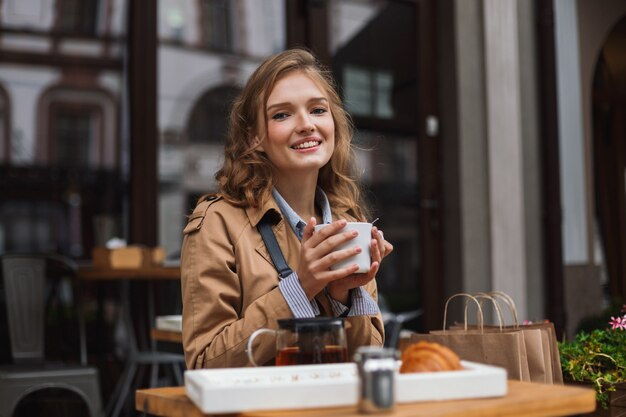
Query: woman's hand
(318, 253)
(379, 248)
(384, 247)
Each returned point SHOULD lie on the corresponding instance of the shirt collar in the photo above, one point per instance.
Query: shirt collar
(296, 223)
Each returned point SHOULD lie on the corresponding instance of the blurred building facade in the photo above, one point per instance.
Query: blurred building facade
(477, 125)
(527, 154)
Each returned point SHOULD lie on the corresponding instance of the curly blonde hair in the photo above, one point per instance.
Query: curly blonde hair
(246, 177)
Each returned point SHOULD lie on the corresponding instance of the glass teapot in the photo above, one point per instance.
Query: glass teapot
(306, 341)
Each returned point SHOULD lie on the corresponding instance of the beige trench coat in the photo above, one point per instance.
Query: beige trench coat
(230, 287)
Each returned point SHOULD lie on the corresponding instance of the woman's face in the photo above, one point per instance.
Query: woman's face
(300, 128)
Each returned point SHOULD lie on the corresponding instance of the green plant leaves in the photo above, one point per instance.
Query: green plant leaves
(597, 357)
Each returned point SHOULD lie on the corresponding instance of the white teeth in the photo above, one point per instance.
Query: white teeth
(306, 145)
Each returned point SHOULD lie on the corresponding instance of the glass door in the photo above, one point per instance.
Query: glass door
(379, 83)
(380, 53)
(207, 50)
(61, 151)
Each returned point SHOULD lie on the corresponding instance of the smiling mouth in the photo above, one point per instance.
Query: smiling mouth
(308, 144)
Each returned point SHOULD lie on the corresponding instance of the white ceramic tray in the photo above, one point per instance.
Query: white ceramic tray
(316, 386)
(272, 387)
(474, 381)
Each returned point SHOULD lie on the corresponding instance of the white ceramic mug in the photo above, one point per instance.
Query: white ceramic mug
(363, 259)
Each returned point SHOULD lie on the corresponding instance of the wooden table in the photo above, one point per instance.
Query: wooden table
(161, 335)
(523, 399)
(91, 273)
(124, 275)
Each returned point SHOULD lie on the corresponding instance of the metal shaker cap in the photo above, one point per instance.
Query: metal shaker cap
(377, 369)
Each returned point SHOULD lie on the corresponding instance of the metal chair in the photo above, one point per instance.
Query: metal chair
(138, 360)
(394, 322)
(25, 280)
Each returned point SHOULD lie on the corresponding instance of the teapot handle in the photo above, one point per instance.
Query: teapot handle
(251, 339)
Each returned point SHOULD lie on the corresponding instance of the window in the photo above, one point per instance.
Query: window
(209, 117)
(77, 16)
(74, 132)
(206, 130)
(78, 128)
(207, 50)
(368, 92)
(216, 25)
(60, 136)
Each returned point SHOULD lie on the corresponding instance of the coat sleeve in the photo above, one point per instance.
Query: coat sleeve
(365, 330)
(216, 327)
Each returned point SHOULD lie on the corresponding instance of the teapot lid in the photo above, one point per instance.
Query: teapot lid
(313, 324)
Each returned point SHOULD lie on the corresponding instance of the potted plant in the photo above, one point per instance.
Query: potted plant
(598, 357)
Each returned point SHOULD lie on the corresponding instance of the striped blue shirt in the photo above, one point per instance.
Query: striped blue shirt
(361, 303)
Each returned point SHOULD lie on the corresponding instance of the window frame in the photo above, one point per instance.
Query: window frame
(5, 127)
(96, 151)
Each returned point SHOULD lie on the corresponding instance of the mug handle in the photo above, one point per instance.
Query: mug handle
(251, 339)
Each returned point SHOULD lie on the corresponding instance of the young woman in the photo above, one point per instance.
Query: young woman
(288, 157)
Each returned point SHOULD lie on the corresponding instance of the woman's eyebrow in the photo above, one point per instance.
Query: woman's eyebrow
(287, 103)
(318, 99)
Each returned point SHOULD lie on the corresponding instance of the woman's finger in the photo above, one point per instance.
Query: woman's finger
(308, 230)
(377, 234)
(385, 247)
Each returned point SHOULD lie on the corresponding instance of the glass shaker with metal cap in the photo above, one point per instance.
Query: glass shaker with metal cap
(377, 369)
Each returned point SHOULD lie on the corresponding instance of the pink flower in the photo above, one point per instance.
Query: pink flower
(618, 323)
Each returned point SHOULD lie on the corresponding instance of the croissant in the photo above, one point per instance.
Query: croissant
(429, 357)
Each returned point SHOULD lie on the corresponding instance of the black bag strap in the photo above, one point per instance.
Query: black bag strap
(265, 228)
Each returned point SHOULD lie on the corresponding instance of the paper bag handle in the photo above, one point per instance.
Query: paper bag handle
(496, 306)
(508, 300)
(479, 313)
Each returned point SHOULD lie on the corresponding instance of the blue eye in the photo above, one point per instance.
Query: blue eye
(280, 116)
(319, 110)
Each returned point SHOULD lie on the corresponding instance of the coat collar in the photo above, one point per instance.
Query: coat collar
(255, 214)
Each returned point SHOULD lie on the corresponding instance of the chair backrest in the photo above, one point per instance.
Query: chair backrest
(24, 283)
(30, 282)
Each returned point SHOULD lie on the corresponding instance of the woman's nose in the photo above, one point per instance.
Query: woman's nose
(305, 124)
